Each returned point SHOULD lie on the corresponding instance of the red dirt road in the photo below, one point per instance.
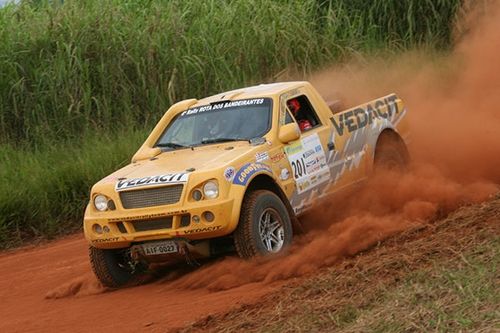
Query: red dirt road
(61, 269)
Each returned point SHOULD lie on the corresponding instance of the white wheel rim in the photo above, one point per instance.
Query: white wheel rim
(271, 230)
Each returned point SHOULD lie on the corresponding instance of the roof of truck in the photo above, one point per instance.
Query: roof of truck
(262, 90)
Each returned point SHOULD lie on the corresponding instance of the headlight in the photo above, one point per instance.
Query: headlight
(197, 195)
(211, 190)
(101, 203)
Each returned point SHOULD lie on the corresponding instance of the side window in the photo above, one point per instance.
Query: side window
(288, 118)
(303, 112)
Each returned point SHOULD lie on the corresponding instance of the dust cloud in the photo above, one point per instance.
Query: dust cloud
(453, 99)
(453, 104)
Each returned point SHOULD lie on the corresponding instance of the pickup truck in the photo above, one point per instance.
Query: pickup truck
(234, 172)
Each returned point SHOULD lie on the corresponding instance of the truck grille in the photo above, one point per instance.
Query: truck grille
(151, 197)
(156, 224)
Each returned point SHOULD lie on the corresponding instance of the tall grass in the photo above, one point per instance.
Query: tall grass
(82, 82)
(45, 190)
(86, 65)
(407, 22)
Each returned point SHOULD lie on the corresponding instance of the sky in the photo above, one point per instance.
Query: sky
(3, 2)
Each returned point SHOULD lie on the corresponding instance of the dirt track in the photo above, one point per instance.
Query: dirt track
(61, 269)
(51, 288)
(357, 294)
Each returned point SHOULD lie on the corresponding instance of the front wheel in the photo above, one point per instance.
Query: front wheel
(264, 226)
(115, 268)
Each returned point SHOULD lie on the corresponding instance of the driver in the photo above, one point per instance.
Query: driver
(218, 125)
(295, 107)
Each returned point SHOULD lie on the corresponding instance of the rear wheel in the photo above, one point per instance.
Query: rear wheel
(115, 268)
(264, 226)
(390, 154)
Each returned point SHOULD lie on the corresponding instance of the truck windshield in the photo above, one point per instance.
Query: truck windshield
(226, 121)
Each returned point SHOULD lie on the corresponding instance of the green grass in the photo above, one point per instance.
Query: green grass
(83, 66)
(461, 295)
(79, 79)
(46, 189)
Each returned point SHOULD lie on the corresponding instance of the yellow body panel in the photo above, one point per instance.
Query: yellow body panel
(342, 146)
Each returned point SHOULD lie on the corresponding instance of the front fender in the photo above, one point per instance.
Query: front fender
(240, 182)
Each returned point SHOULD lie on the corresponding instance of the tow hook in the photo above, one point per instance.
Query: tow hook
(183, 250)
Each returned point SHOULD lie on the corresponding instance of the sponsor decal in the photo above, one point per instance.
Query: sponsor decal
(304, 185)
(308, 163)
(261, 157)
(294, 148)
(168, 178)
(311, 163)
(105, 240)
(229, 173)
(360, 117)
(206, 229)
(284, 174)
(222, 106)
(147, 217)
(308, 153)
(277, 157)
(249, 169)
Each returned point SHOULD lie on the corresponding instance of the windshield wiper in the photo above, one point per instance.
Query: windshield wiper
(217, 140)
(170, 145)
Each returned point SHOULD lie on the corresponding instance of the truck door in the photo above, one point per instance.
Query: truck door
(308, 155)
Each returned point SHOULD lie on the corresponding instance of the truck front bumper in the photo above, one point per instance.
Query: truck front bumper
(121, 228)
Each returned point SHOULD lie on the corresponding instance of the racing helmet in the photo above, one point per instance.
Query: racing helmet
(304, 125)
(294, 106)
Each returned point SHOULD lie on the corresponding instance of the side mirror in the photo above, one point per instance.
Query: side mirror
(289, 132)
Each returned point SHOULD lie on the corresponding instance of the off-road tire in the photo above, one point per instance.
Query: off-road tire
(391, 155)
(247, 239)
(111, 272)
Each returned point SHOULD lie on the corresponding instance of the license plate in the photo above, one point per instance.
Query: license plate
(164, 247)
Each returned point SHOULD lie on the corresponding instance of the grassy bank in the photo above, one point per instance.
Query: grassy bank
(46, 189)
(82, 82)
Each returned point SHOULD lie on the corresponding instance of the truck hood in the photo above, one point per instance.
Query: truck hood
(201, 158)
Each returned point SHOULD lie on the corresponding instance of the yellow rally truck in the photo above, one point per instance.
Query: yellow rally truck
(234, 171)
